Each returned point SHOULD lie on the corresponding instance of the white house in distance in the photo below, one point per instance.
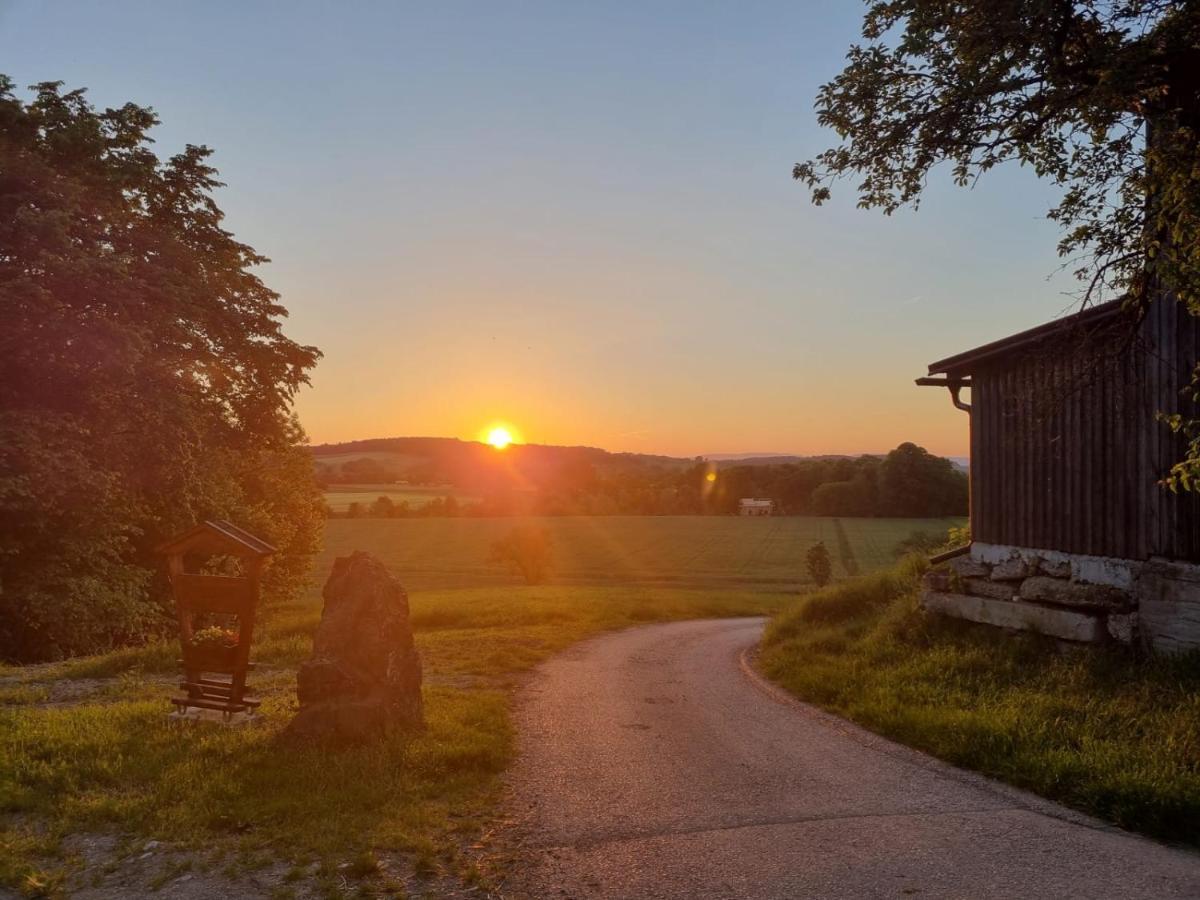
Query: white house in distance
(755, 506)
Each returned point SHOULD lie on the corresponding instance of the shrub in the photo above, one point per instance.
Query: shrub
(820, 566)
(383, 507)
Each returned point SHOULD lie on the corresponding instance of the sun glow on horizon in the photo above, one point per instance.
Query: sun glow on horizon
(499, 436)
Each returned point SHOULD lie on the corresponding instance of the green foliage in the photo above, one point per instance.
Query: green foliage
(819, 565)
(1102, 99)
(144, 380)
(914, 482)
(857, 497)
(909, 482)
(383, 507)
(1104, 731)
(526, 551)
(958, 536)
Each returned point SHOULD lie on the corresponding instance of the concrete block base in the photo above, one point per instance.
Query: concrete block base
(1066, 624)
(215, 717)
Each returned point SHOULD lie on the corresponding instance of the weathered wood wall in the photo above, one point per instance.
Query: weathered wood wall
(1066, 451)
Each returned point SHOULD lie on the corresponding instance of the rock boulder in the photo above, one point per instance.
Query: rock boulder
(1012, 569)
(1054, 568)
(965, 567)
(984, 587)
(364, 676)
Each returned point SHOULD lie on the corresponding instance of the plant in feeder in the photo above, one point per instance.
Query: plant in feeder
(215, 637)
(212, 648)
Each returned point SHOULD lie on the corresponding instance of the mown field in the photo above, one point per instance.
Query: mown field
(339, 496)
(687, 551)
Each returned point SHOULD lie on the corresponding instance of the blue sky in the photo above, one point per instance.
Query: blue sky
(577, 218)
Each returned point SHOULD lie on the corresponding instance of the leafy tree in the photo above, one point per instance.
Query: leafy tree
(526, 551)
(856, 497)
(1101, 98)
(820, 566)
(916, 484)
(145, 382)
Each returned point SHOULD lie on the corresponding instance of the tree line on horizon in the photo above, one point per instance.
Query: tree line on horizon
(909, 482)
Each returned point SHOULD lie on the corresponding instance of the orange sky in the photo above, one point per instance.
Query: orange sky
(579, 218)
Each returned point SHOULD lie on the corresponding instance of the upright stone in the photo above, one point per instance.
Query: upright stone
(364, 676)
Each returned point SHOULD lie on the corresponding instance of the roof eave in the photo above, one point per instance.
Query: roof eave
(963, 364)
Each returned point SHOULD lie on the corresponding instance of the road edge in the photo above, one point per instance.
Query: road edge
(1018, 797)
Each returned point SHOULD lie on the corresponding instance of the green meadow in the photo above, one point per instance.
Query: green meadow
(686, 551)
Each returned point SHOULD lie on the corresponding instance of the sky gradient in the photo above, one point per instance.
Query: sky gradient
(577, 218)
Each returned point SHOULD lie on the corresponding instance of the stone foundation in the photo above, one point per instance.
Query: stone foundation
(1071, 597)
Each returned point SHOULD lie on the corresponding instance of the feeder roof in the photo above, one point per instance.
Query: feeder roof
(216, 536)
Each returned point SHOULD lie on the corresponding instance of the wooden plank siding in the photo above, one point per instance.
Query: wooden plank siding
(1066, 449)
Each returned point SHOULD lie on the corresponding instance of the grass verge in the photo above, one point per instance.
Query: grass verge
(1099, 730)
(86, 746)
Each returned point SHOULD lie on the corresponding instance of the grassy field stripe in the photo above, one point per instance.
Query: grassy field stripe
(845, 551)
(751, 560)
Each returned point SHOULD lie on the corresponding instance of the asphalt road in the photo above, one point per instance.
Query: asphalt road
(654, 765)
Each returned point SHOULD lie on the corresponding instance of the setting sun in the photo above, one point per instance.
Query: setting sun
(499, 437)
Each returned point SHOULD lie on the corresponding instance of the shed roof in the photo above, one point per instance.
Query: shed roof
(217, 536)
(965, 363)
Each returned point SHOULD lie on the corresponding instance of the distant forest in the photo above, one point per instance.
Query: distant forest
(907, 482)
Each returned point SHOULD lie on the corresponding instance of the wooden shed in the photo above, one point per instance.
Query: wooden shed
(1073, 532)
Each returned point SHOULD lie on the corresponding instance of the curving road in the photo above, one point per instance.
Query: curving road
(654, 765)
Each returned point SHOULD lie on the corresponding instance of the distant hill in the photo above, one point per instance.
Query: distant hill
(775, 459)
(726, 460)
(472, 464)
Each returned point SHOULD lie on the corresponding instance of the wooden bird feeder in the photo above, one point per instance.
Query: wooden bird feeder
(216, 615)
